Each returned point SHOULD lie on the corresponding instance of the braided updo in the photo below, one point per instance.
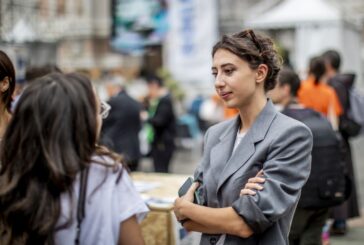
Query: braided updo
(255, 49)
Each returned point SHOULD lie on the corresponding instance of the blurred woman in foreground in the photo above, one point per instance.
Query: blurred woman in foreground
(57, 186)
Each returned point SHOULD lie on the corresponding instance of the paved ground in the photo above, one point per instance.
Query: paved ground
(185, 162)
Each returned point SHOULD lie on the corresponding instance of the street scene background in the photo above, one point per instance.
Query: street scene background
(120, 40)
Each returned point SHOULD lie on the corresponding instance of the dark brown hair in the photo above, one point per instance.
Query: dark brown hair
(288, 77)
(255, 49)
(333, 58)
(50, 139)
(317, 68)
(7, 70)
(33, 73)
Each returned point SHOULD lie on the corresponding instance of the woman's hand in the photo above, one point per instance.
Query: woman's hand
(253, 185)
(180, 202)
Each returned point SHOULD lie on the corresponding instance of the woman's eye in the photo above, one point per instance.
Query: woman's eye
(214, 74)
(229, 71)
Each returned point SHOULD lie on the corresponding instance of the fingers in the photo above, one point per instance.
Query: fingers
(247, 192)
(260, 173)
(253, 186)
(193, 187)
(176, 209)
(256, 180)
(250, 189)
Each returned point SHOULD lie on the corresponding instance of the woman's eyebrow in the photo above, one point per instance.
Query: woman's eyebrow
(222, 66)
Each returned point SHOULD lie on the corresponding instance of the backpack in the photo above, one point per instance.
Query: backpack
(351, 122)
(326, 185)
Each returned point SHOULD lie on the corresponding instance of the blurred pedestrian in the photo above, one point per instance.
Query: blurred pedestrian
(245, 67)
(123, 124)
(7, 86)
(57, 186)
(342, 83)
(31, 74)
(314, 92)
(162, 119)
(312, 209)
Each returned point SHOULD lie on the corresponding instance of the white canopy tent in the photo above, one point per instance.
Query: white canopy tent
(317, 26)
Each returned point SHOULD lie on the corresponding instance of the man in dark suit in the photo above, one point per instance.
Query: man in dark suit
(162, 119)
(121, 128)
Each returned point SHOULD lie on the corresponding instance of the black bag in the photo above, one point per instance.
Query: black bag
(326, 185)
(349, 123)
(349, 127)
(81, 203)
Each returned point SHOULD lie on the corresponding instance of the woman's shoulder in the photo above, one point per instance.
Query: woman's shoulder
(105, 165)
(284, 124)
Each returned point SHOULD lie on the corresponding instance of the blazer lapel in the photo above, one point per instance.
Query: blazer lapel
(221, 152)
(246, 148)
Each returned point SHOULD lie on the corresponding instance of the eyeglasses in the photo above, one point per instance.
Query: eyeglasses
(253, 38)
(104, 109)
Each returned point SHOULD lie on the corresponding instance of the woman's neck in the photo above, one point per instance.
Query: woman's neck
(249, 113)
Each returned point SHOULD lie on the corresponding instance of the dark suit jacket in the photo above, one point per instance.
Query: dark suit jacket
(122, 126)
(164, 123)
(279, 145)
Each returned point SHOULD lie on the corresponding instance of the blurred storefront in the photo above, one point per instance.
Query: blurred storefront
(73, 34)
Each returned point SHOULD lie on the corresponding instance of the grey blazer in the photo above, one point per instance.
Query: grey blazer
(279, 145)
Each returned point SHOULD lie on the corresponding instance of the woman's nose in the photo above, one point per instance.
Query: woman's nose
(219, 81)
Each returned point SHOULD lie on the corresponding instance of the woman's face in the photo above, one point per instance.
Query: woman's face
(235, 82)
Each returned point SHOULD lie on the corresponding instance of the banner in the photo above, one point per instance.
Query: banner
(137, 24)
(192, 34)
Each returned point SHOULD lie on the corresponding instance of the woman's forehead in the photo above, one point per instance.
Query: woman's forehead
(224, 57)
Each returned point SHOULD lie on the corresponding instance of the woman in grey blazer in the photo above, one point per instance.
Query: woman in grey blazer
(245, 66)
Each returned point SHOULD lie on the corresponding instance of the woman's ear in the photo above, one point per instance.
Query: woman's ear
(261, 73)
(4, 84)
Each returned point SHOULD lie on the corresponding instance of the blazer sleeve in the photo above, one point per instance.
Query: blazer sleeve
(198, 174)
(286, 170)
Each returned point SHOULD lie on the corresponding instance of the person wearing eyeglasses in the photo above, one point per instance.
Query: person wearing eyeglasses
(57, 185)
(121, 127)
(7, 86)
(259, 140)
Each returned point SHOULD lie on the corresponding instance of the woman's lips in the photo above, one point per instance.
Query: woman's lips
(225, 95)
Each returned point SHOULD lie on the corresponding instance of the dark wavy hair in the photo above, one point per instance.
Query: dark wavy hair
(7, 70)
(51, 137)
(255, 49)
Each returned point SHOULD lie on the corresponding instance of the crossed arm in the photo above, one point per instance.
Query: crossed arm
(209, 220)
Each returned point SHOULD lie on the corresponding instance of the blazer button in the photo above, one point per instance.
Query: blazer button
(213, 240)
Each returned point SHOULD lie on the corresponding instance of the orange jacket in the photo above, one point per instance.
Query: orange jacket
(319, 97)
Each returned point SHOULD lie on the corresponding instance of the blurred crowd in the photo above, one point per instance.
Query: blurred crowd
(148, 125)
